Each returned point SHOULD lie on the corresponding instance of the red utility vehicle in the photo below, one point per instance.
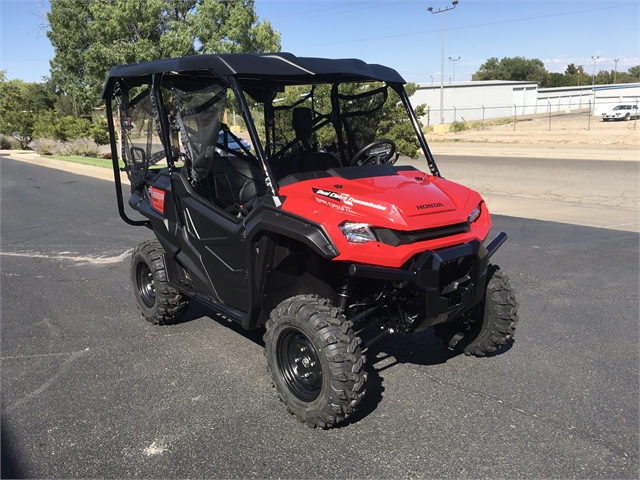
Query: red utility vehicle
(313, 230)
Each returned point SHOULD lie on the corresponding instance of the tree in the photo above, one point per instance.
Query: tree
(558, 80)
(519, 68)
(571, 69)
(516, 68)
(635, 72)
(91, 36)
(21, 103)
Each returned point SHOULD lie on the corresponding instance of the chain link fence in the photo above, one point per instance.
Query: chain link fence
(479, 117)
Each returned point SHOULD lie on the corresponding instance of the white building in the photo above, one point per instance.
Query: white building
(608, 96)
(599, 99)
(475, 101)
(564, 99)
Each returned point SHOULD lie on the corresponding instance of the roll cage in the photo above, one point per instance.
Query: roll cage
(173, 93)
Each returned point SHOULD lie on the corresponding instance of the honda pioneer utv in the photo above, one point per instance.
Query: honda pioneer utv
(306, 226)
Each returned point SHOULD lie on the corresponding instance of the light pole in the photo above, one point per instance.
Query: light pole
(454, 60)
(442, 10)
(593, 83)
(615, 71)
(579, 74)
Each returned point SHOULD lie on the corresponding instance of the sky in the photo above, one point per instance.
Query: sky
(400, 34)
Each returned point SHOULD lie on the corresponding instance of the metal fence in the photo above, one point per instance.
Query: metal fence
(492, 115)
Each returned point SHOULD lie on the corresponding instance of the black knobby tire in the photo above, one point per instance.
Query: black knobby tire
(490, 325)
(159, 303)
(315, 360)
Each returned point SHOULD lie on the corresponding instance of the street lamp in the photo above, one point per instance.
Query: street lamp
(593, 82)
(580, 74)
(454, 60)
(442, 10)
(615, 72)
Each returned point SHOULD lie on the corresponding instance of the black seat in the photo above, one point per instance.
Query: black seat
(232, 184)
(303, 125)
(312, 161)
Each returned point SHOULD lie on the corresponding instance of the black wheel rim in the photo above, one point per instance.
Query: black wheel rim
(146, 287)
(299, 364)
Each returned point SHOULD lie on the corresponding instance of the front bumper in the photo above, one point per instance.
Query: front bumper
(449, 281)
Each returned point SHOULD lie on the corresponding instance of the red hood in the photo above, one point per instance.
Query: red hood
(398, 200)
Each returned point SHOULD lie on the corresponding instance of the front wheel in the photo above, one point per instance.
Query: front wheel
(159, 303)
(315, 361)
(627, 117)
(490, 324)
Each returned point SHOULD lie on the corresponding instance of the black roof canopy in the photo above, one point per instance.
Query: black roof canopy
(250, 69)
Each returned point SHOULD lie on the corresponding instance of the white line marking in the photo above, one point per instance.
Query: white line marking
(97, 260)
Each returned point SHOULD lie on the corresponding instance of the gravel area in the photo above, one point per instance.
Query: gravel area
(563, 130)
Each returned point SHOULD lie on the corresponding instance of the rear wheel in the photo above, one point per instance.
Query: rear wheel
(315, 360)
(490, 324)
(159, 303)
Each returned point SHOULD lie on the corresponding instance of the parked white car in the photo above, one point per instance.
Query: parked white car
(621, 112)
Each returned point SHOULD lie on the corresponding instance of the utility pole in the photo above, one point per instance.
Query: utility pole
(454, 60)
(593, 83)
(615, 72)
(442, 10)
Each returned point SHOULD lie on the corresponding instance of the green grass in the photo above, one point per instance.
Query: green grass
(96, 162)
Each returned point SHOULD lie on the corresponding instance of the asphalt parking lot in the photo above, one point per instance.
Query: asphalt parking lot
(89, 389)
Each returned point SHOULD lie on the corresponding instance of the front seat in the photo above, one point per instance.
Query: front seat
(233, 184)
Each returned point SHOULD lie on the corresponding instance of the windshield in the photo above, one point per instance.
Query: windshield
(338, 119)
(623, 107)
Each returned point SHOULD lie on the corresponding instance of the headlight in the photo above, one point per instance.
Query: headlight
(357, 232)
(473, 216)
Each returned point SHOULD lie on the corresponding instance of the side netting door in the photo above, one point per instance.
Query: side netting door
(212, 237)
(141, 144)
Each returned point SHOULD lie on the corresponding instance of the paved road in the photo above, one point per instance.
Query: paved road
(596, 193)
(91, 390)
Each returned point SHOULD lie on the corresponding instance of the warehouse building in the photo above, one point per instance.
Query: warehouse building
(485, 100)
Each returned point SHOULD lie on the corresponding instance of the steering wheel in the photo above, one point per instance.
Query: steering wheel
(374, 158)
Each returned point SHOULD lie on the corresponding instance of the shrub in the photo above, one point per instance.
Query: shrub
(8, 143)
(458, 127)
(99, 132)
(47, 146)
(502, 121)
(45, 125)
(81, 147)
(70, 128)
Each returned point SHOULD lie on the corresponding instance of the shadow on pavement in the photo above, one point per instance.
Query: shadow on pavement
(8, 456)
